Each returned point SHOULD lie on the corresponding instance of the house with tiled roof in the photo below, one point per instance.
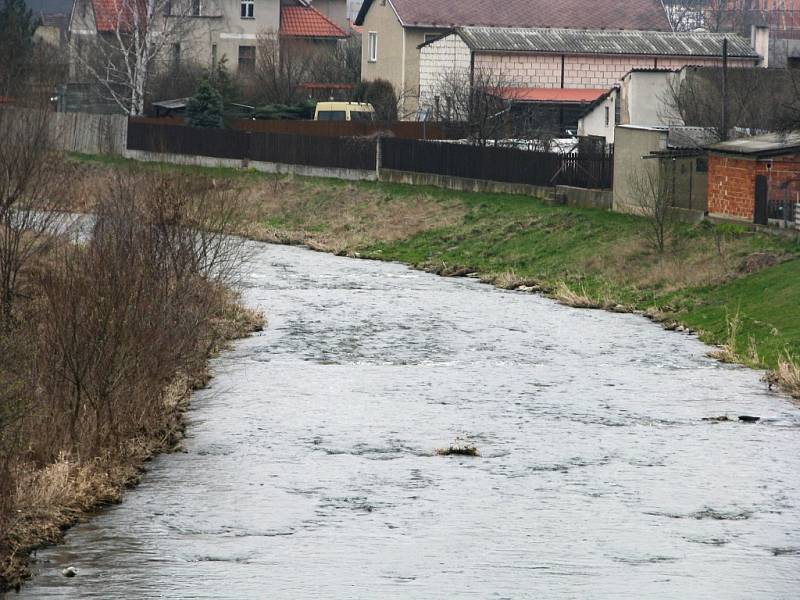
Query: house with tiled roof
(394, 30)
(216, 28)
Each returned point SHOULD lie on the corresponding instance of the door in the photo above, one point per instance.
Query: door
(761, 216)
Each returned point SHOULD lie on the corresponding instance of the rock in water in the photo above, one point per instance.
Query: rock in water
(749, 419)
(69, 572)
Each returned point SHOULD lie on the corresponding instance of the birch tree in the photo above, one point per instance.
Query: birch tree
(132, 36)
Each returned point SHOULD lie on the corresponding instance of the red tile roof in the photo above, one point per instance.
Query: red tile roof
(581, 96)
(307, 21)
(569, 14)
(113, 14)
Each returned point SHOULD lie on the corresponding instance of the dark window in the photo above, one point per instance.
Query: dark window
(702, 165)
(608, 116)
(794, 62)
(247, 59)
(247, 9)
(331, 115)
(176, 55)
(196, 8)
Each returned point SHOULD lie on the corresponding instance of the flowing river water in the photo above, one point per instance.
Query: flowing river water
(310, 468)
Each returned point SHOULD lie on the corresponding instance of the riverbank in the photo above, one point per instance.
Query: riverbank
(107, 339)
(737, 288)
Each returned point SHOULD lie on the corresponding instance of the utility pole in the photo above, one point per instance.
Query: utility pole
(724, 135)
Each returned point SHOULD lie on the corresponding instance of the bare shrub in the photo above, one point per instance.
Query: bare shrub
(30, 173)
(115, 333)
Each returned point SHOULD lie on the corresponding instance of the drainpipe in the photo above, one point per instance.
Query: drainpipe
(725, 89)
(562, 71)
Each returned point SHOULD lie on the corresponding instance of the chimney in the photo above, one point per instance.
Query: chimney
(759, 40)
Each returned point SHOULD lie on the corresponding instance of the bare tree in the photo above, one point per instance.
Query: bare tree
(338, 62)
(122, 59)
(479, 101)
(758, 99)
(654, 196)
(283, 64)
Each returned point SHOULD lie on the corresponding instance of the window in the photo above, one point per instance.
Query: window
(793, 62)
(331, 115)
(197, 9)
(373, 46)
(176, 55)
(608, 116)
(213, 56)
(247, 59)
(247, 9)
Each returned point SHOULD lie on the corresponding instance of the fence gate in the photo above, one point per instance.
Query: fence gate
(761, 216)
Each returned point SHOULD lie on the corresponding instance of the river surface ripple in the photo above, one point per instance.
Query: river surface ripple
(311, 470)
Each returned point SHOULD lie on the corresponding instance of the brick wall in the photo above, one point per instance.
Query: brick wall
(732, 182)
(731, 186)
(599, 72)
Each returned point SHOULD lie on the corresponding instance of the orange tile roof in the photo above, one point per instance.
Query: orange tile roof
(551, 94)
(307, 21)
(112, 14)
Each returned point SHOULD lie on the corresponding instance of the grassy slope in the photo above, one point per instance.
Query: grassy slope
(597, 254)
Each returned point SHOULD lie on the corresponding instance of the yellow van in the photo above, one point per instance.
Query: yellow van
(344, 111)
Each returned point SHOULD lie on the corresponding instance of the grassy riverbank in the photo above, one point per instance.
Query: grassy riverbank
(104, 342)
(736, 287)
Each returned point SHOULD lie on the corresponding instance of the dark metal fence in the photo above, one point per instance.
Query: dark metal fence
(582, 168)
(344, 153)
(589, 166)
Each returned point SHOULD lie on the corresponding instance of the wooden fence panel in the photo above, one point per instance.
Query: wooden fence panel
(75, 132)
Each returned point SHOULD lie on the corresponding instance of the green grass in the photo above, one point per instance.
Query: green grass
(597, 254)
(767, 304)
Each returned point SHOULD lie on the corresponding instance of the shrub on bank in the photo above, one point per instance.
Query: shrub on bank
(108, 339)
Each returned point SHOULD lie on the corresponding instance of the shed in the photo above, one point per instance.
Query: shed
(756, 179)
(673, 158)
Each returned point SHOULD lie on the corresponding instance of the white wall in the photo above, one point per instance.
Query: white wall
(442, 59)
(644, 97)
(594, 123)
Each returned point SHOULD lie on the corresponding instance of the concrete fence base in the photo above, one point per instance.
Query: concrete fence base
(264, 167)
(465, 184)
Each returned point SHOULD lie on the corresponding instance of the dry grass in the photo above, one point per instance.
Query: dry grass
(786, 376)
(728, 352)
(696, 262)
(563, 294)
(339, 218)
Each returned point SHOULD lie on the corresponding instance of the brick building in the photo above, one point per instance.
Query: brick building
(530, 60)
(755, 179)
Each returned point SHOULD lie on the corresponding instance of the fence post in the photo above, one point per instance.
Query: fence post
(797, 215)
(378, 157)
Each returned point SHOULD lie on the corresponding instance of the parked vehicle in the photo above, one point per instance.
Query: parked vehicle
(344, 111)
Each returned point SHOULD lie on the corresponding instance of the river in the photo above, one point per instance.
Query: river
(310, 467)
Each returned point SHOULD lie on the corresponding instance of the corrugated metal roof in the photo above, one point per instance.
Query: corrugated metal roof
(771, 143)
(597, 41)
